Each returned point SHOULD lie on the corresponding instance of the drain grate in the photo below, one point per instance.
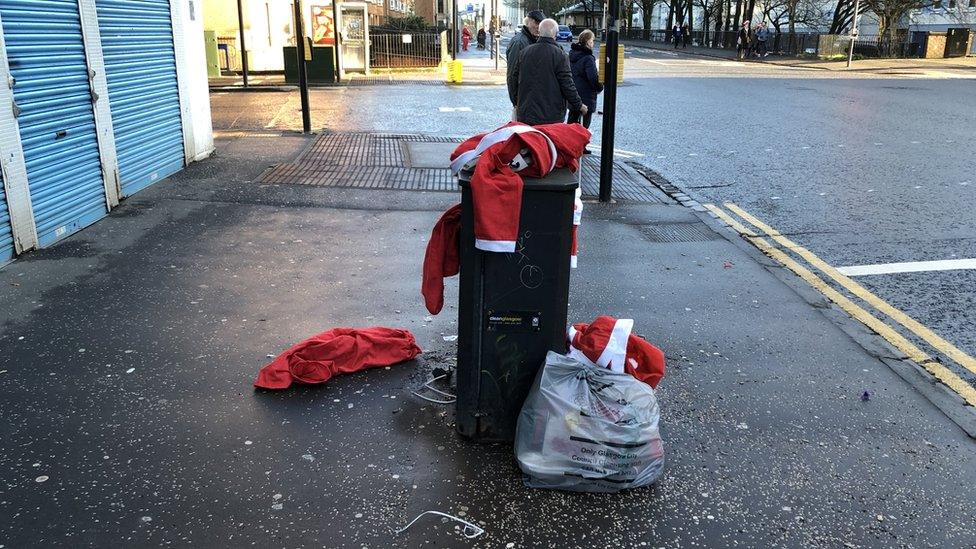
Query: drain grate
(370, 177)
(626, 186)
(377, 161)
(678, 232)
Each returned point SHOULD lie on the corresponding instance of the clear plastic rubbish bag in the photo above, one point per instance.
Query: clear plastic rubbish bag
(588, 429)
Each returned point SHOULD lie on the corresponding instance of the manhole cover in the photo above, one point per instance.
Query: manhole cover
(678, 232)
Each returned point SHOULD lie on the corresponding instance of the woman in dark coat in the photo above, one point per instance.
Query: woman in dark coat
(742, 40)
(587, 80)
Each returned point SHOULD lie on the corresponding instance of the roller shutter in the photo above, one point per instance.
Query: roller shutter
(57, 126)
(140, 64)
(6, 236)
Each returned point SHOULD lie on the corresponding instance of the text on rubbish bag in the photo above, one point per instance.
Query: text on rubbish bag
(514, 321)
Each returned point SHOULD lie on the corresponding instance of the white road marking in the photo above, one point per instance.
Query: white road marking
(909, 267)
(653, 61)
(597, 146)
(454, 109)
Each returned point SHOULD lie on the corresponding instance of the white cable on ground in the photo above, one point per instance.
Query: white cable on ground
(474, 529)
(438, 391)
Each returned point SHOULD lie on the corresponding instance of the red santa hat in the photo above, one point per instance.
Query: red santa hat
(608, 343)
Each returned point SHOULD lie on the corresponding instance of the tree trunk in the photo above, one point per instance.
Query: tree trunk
(647, 15)
(738, 13)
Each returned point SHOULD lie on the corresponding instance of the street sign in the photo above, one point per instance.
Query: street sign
(408, 39)
(470, 8)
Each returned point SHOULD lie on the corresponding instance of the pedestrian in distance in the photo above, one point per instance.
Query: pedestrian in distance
(742, 41)
(465, 38)
(585, 77)
(762, 36)
(676, 35)
(685, 35)
(754, 41)
(482, 38)
(544, 81)
(527, 35)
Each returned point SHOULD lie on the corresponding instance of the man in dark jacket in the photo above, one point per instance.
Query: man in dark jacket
(525, 37)
(544, 81)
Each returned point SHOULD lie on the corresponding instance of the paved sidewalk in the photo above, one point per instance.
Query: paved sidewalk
(863, 65)
(130, 420)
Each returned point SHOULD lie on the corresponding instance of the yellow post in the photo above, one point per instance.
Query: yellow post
(454, 71)
(620, 62)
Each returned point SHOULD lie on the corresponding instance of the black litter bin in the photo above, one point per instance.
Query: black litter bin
(512, 306)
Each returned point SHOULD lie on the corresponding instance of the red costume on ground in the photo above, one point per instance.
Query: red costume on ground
(338, 351)
(607, 343)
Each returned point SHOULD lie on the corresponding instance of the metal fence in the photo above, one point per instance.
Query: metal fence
(789, 44)
(395, 50)
(875, 45)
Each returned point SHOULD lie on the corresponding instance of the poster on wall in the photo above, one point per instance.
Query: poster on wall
(323, 26)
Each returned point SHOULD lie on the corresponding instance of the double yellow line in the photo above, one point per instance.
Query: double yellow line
(943, 374)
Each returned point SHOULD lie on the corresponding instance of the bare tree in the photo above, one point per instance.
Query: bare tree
(711, 11)
(891, 12)
(647, 12)
(843, 17)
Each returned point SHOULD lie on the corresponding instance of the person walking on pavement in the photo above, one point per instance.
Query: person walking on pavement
(586, 78)
(762, 36)
(742, 42)
(544, 82)
(465, 38)
(676, 35)
(527, 36)
(685, 35)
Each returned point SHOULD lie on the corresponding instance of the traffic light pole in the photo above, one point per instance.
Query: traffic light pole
(302, 72)
(335, 43)
(240, 28)
(609, 101)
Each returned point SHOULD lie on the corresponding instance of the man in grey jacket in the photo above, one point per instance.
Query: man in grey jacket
(544, 82)
(527, 36)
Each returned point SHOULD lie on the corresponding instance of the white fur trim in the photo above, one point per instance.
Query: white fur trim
(495, 245)
(615, 353)
(498, 136)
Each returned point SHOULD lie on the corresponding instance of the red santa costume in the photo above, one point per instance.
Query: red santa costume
(607, 343)
(338, 351)
(503, 156)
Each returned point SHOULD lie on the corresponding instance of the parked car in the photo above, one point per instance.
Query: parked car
(564, 34)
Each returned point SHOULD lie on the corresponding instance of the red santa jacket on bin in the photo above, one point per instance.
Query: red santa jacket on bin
(496, 191)
(441, 259)
(504, 156)
(607, 343)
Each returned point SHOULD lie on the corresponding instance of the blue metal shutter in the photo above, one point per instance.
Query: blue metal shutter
(6, 236)
(57, 125)
(137, 44)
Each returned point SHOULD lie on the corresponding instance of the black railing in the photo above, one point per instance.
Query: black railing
(885, 46)
(404, 50)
